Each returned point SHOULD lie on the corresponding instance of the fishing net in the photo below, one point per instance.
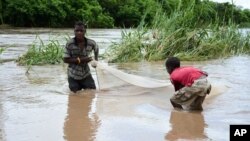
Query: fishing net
(110, 77)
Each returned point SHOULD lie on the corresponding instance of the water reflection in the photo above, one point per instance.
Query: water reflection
(1, 124)
(186, 126)
(81, 122)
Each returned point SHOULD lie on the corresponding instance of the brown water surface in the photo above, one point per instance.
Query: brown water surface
(39, 106)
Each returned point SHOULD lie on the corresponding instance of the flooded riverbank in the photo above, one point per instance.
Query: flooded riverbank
(39, 106)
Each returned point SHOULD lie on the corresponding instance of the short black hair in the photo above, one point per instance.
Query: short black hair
(80, 23)
(173, 62)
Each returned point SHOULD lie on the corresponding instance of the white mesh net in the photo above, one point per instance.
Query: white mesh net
(109, 77)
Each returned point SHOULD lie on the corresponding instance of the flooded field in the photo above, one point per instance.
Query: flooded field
(40, 107)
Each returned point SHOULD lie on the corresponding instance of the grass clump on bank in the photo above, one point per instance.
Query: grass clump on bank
(40, 53)
(183, 34)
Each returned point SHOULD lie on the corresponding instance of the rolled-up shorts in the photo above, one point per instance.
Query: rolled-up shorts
(76, 85)
(186, 95)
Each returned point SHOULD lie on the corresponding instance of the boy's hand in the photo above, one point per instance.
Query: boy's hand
(86, 59)
(94, 63)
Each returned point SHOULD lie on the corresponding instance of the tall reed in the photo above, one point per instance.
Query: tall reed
(183, 34)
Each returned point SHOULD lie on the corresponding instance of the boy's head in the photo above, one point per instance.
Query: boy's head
(172, 63)
(80, 23)
(80, 30)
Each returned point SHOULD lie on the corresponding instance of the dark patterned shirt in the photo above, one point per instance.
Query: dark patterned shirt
(79, 71)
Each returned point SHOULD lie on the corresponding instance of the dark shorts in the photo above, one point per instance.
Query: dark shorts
(76, 85)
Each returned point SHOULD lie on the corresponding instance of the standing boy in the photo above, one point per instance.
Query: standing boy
(191, 85)
(77, 55)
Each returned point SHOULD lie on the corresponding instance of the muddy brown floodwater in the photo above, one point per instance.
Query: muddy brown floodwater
(39, 106)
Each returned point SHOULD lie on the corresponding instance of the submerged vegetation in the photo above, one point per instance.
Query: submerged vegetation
(40, 53)
(184, 34)
(190, 30)
(1, 50)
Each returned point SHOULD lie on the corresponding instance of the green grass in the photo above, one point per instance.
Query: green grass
(180, 34)
(40, 53)
(1, 50)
